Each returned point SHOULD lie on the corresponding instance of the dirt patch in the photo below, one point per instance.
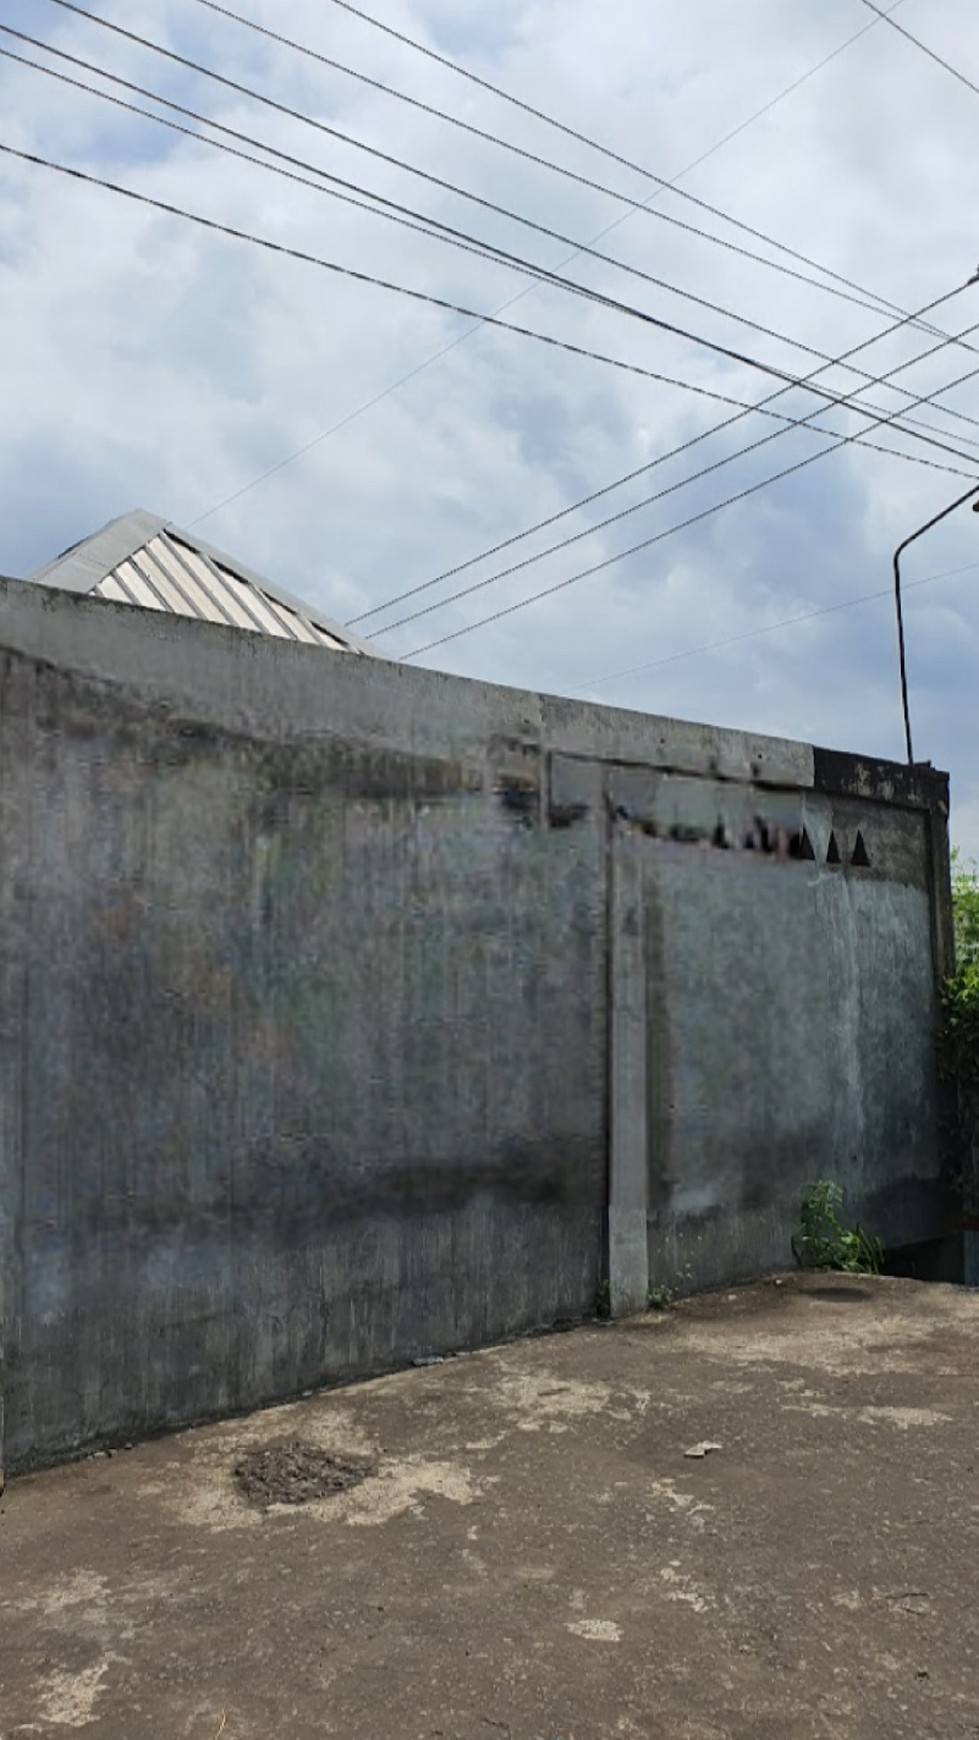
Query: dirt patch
(295, 1473)
(590, 1582)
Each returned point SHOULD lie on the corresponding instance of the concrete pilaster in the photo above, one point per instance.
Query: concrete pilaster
(628, 1253)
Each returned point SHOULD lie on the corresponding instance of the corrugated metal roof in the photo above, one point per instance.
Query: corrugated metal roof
(144, 561)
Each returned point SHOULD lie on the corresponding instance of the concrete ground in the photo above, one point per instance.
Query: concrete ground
(534, 1557)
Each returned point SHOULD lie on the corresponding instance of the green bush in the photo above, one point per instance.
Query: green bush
(959, 1052)
(823, 1242)
(958, 1047)
(965, 912)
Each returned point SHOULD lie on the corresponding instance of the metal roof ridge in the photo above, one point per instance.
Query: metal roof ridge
(84, 565)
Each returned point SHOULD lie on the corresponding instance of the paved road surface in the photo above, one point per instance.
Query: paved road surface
(520, 1549)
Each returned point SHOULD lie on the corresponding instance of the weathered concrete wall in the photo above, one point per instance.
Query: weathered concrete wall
(790, 1037)
(349, 1012)
(775, 954)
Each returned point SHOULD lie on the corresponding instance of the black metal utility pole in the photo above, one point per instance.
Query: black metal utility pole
(957, 503)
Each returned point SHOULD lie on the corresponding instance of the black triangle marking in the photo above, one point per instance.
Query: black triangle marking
(833, 851)
(861, 857)
(800, 846)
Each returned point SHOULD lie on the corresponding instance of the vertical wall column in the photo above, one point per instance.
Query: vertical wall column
(628, 1249)
(16, 813)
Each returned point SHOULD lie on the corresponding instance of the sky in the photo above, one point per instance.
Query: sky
(148, 361)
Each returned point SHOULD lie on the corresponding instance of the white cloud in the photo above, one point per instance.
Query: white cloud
(148, 362)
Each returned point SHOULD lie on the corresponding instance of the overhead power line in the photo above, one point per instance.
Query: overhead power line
(930, 52)
(662, 185)
(280, 248)
(648, 501)
(583, 139)
(436, 356)
(818, 429)
(597, 297)
(406, 216)
(68, 5)
(429, 227)
(424, 297)
(334, 266)
(421, 296)
(393, 210)
(772, 103)
(762, 407)
(771, 627)
(441, 302)
(670, 531)
(875, 304)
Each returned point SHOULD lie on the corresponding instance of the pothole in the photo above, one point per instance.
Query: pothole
(295, 1473)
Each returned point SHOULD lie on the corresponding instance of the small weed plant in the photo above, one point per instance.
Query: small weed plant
(823, 1242)
(663, 1295)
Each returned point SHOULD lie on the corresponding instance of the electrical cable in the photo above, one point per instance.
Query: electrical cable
(844, 401)
(930, 52)
(442, 302)
(740, 496)
(583, 139)
(189, 133)
(602, 525)
(670, 531)
(67, 5)
(770, 627)
(348, 271)
(294, 253)
(662, 184)
(398, 213)
(459, 238)
(766, 109)
(436, 356)
(875, 306)
(428, 226)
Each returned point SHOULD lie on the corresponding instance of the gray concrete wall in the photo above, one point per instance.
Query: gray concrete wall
(350, 1012)
(772, 1013)
(790, 1036)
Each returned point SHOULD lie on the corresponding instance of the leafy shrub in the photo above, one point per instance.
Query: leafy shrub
(958, 1049)
(823, 1242)
(965, 911)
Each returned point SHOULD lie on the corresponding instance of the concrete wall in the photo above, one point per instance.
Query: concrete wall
(350, 1012)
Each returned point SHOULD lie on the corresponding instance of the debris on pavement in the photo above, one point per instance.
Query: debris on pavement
(294, 1473)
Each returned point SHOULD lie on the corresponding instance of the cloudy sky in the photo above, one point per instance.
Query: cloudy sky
(147, 361)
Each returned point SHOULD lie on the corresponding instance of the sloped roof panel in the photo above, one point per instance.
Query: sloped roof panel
(145, 561)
